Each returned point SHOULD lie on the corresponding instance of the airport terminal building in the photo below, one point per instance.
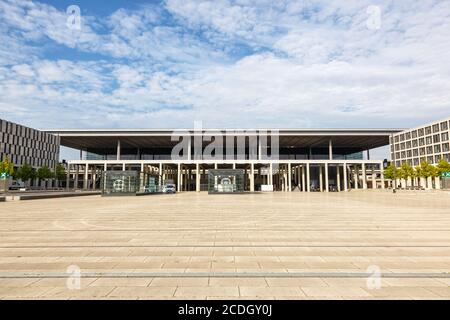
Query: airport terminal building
(280, 160)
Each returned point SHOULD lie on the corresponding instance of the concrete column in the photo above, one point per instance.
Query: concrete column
(345, 177)
(142, 167)
(429, 183)
(330, 149)
(179, 178)
(189, 149)
(374, 180)
(118, 149)
(437, 182)
(303, 179)
(364, 178)
(308, 178)
(215, 165)
(160, 174)
(271, 174)
(252, 177)
(259, 148)
(123, 167)
(326, 178)
(197, 177)
(94, 177)
(77, 168)
(105, 167)
(356, 175)
(382, 176)
(320, 178)
(338, 177)
(289, 178)
(86, 178)
(68, 176)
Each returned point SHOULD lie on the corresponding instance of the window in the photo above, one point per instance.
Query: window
(428, 130)
(436, 138)
(396, 139)
(402, 137)
(444, 136)
(428, 140)
(415, 152)
(403, 154)
(408, 135)
(435, 128)
(402, 146)
(416, 161)
(430, 159)
(420, 131)
(421, 141)
(437, 148)
(414, 134)
(437, 159)
(409, 153)
(414, 143)
(422, 151)
(445, 147)
(444, 126)
(408, 145)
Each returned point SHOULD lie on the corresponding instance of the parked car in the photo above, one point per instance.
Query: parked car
(16, 185)
(170, 188)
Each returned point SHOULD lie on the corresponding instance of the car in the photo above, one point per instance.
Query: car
(16, 185)
(169, 188)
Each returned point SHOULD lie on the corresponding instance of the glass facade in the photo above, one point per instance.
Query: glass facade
(225, 181)
(120, 182)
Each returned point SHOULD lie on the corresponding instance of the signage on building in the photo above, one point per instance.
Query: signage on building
(3, 176)
(445, 175)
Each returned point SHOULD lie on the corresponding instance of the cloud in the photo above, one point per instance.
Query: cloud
(229, 63)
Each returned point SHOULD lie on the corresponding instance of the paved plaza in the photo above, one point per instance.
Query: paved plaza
(248, 246)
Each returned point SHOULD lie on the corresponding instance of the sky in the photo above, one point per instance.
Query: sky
(238, 64)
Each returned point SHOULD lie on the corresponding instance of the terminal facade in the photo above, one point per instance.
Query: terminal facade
(429, 143)
(280, 160)
(22, 145)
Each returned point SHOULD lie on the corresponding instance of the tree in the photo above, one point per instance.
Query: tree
(443, 166)
(6, 168)
(60, 172)
(406, 171)
(25, 172)
(425, 170)
(44, 173)
(390, 172)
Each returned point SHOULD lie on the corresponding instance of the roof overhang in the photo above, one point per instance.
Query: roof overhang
(152, 138)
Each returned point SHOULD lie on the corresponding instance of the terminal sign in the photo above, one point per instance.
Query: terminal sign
(445, 175)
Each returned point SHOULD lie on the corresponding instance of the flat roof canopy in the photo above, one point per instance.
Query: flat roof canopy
(156, 138)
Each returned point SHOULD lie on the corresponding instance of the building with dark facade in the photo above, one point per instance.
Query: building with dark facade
(22, 145)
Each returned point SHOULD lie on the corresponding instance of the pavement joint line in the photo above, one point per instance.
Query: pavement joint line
(224, 246)
(46, 275)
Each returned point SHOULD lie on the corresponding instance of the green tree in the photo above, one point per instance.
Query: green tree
(25, 172)
(60, 173)
(443, 166)
(6, 168)
(44, 173)
(406, 171)
(425, 170)
(390, 172)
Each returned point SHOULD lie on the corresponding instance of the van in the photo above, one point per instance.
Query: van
(16, 185)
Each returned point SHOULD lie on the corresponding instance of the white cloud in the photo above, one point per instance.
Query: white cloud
(310, 64)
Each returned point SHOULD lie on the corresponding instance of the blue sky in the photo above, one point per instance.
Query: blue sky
(150, 64)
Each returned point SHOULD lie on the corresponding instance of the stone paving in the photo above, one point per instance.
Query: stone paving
(247, 246)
